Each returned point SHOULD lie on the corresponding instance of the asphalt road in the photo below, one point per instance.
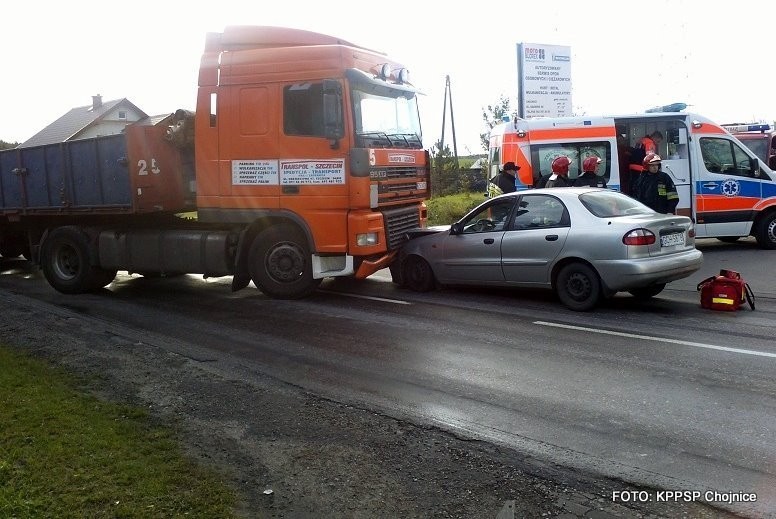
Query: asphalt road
(663, 393)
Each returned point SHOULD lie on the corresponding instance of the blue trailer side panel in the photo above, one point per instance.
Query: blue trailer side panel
(88, 174)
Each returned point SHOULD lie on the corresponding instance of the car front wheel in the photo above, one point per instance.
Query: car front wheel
(578, 287)
(417, 274)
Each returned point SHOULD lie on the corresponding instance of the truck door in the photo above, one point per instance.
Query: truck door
(728, 186)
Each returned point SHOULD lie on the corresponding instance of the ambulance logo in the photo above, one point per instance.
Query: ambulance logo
(731, 187)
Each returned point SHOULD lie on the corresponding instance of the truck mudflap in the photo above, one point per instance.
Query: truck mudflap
(369, 267)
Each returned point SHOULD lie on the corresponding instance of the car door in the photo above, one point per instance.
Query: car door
(536, 236)
(474, 254)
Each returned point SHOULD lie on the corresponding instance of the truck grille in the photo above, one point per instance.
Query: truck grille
(399, 184)
(397, 222)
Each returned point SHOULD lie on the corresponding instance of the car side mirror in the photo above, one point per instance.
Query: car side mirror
(456, 228)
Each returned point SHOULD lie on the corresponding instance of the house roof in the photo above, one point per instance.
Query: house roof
(75, 121)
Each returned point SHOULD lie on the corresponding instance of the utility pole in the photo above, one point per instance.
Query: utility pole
(449, 96)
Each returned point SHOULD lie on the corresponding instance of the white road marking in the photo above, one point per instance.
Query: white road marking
(659, 339)
(372, 298)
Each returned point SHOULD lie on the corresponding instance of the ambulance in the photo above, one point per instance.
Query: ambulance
(723, 186)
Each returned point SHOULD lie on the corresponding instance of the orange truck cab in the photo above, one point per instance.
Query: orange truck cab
(303, 160)
(726, 189)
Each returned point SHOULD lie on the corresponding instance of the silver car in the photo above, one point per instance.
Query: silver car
(584, 243)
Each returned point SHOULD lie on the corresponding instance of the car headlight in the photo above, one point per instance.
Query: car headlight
(366, 239)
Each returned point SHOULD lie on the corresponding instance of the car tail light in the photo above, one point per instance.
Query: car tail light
(639, 237)
(691, 232)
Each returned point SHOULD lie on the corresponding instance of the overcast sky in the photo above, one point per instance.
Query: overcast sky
(719, 60)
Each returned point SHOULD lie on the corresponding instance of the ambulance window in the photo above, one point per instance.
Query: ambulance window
(725, 157)
(543, 155)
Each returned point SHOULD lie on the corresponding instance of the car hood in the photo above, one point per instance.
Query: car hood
(426, 231)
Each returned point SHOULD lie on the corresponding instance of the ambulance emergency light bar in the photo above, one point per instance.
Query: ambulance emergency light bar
(733, 128)
(673, 107)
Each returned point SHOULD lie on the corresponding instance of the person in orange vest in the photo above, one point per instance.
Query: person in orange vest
(590, 177)
(654, 188)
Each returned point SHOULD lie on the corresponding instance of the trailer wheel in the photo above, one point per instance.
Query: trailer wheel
(65, 261)
(766, 231)
(281, 263)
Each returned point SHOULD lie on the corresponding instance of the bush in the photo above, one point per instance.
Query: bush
(444, 210)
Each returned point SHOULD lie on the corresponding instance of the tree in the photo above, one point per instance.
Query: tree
(493, 115)
(7, 145)
(444, 174)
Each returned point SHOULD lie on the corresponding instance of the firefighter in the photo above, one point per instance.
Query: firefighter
(654, 188)
(589, 176)
(560, 173)
(505, 181)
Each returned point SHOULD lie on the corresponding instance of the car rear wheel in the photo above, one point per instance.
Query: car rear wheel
(417, 274)
(578, 287)
(647, 292)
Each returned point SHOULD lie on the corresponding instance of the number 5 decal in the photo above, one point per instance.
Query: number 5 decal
(372, 158)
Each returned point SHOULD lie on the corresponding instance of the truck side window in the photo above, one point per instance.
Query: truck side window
(303, 110)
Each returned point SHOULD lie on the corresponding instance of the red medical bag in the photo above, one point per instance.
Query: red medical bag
(726, 292)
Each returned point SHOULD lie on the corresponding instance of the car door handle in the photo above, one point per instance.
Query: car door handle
(710, 185)
(488, 241)
(551, 237)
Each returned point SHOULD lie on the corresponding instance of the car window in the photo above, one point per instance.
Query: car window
(540, 211)
(609, 204)
(489, 217)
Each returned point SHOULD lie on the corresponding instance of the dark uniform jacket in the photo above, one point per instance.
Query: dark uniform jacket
(590, 179)
(657, 191)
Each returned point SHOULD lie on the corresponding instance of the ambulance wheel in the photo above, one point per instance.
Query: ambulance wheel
(766, 231)
(281, 263)
(647, 292)
(64, 258)
(578, 287)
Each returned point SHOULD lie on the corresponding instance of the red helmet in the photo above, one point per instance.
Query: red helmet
(561, 165)
(651, 158)
(591, 163)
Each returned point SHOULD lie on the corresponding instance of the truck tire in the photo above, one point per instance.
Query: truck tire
(766, 231)
(65, 261)
(281, 263)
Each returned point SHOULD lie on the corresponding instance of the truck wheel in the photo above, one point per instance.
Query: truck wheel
(65, 261)
(578, 287)
(766, 231)
(281, 263)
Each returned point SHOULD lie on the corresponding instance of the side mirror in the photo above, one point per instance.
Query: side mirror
(334, 126)
(456, 228)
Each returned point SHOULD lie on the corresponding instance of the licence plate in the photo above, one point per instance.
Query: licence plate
(669, 240)
(421, 185)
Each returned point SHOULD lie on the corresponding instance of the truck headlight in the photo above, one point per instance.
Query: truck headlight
(366, 239)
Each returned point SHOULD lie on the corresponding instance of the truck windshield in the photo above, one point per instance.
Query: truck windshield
(386, 121)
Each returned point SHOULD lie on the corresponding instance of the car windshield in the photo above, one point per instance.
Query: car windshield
(609, 204)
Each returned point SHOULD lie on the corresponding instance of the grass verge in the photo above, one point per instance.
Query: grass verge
(444, 210)
(64, 454)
